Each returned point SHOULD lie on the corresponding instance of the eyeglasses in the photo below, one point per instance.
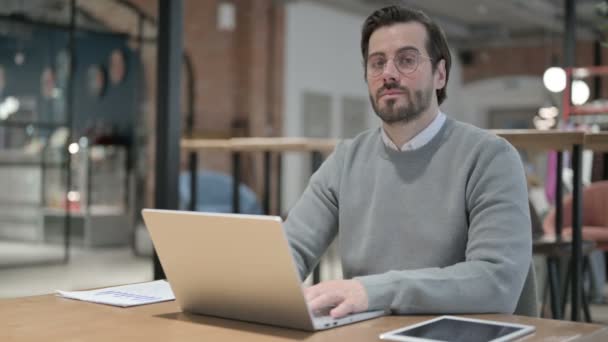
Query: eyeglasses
(406, 62)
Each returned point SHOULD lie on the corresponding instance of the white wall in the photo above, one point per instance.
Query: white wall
(476, 99)
(471, 102)
(322, 54)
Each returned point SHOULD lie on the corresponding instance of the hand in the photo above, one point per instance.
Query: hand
(346, 296)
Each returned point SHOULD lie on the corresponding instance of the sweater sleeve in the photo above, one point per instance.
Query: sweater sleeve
(498, 252)
(312, 223)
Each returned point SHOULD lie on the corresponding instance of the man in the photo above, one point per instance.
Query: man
(431, 214)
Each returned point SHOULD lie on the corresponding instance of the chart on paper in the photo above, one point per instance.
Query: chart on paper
(127, 295)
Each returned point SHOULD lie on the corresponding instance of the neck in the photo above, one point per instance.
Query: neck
(402, 132)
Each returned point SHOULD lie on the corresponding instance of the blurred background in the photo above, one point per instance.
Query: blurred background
(78, 111)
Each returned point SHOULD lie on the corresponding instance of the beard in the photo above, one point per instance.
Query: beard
(412, 110)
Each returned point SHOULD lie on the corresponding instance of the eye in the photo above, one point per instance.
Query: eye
(406, 60)
(377, 63)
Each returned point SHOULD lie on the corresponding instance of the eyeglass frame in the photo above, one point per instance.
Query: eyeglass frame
(402, 50)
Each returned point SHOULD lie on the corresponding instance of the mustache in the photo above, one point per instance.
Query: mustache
(389, 86)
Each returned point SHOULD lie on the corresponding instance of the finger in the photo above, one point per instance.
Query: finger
(342, 310)
(312, 292)
(324, 300)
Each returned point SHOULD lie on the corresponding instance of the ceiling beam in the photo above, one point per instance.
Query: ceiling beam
(541, 13)
(363, 8)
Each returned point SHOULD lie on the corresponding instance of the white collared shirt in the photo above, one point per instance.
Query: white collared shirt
(421, 138)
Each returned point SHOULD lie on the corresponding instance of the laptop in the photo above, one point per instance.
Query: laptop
(235, 266)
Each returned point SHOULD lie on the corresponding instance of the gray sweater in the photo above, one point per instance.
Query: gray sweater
(441, 229)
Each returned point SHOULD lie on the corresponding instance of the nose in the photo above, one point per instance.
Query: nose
(390, 73)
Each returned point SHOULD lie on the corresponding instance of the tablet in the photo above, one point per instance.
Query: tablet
(456, 329)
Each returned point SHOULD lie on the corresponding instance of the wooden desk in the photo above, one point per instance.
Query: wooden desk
(597, 142)
(541, 140)
(261, 144)
(51, 318)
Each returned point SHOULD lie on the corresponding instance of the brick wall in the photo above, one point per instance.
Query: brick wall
(238, 77)
(493, 62)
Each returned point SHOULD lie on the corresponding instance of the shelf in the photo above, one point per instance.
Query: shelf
(588, 110)
(19, 158)
(583, 72)
(539, 139)
(47, 125)
(32, 164)
(280, 144)
(522, 138)
(597, 141)
(94, 210)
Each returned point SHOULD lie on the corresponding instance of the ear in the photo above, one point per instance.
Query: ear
(439, 76)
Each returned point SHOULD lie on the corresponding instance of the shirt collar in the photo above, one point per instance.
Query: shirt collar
(421, 139)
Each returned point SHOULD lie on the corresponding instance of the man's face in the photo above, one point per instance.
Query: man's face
(399, 73)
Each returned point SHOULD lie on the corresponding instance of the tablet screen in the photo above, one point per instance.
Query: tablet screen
(452, 330)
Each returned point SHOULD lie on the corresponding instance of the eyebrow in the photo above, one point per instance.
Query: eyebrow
(402, 49)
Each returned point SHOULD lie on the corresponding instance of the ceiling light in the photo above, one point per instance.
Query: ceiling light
(73, 148)
(554, 79)
(580, 92)
(8, 107)
(73, 196)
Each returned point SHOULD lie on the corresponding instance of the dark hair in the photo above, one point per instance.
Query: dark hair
(436, 43)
